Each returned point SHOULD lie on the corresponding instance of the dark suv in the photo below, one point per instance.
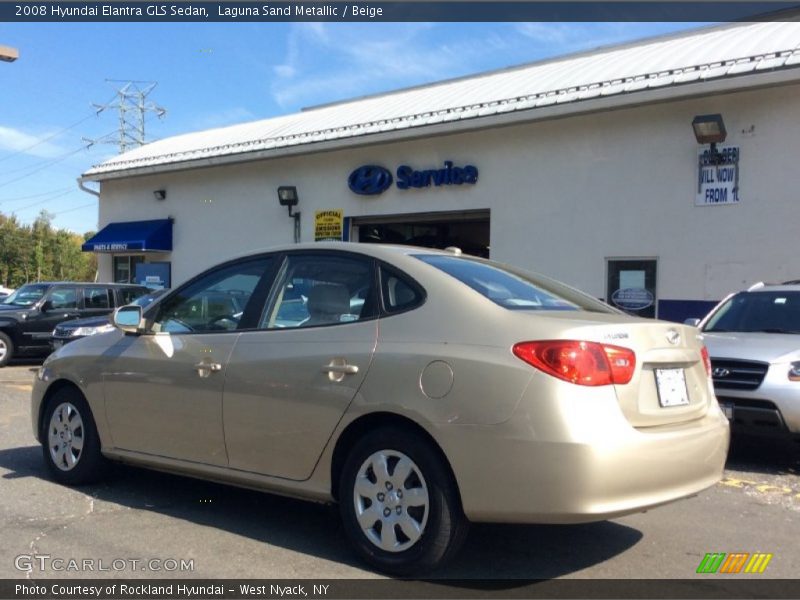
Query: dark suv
(29, 315)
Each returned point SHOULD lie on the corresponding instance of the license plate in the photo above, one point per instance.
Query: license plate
(727, 409)
(671, 385)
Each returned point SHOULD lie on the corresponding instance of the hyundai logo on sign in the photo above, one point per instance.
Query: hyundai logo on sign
(370, 180)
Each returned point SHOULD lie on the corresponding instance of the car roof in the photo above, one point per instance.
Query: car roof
(376, 250)
(86, 283)
(774, 288)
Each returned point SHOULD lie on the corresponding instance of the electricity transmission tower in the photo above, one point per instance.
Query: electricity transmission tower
(132, 106)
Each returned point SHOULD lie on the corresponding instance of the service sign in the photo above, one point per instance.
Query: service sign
(328, 225)
(718, 177)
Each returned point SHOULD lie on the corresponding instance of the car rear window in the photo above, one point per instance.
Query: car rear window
(512, 289)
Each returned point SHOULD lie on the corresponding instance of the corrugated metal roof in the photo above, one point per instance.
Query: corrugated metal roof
(701, 55)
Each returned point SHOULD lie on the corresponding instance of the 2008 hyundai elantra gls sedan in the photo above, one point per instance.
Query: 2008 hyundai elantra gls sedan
(419, 389)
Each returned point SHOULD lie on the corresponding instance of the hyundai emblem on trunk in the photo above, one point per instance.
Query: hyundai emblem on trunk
(673, 337)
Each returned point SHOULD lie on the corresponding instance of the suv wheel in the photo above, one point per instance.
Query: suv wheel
(6, 349)
(70, 443)
(399, 503)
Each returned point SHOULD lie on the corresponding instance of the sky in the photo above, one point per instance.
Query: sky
(216, 74)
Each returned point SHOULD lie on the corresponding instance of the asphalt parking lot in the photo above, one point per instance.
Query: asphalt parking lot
(224, 532)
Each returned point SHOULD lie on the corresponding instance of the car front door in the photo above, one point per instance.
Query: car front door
(163, 389)
(289, 382)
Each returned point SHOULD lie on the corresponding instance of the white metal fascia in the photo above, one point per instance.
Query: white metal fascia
(544, 108)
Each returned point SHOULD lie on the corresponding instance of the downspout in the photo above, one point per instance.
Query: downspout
(97, 195)
(86, 189)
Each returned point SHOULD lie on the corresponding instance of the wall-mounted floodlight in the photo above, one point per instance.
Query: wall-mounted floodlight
(287, 196)
(160, 194)
(8, 54)
(710, 129)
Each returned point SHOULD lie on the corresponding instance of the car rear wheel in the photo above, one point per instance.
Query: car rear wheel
(399, 503)
(70, 442)
(6, 349)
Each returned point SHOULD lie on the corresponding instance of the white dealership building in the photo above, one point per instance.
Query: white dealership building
(584, 167)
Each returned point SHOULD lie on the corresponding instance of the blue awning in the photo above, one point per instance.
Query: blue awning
(132, 236)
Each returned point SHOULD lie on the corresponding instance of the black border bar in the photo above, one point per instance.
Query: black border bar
(702, 587)
(414, 11)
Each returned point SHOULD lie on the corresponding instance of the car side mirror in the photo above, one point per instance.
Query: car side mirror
(692, 322)
(128, 318)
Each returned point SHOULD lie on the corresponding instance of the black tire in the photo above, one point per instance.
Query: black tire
(443, 524)
(73, 423)
(7, 345)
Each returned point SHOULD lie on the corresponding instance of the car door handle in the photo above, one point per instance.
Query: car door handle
(204, 369)
(344, 369)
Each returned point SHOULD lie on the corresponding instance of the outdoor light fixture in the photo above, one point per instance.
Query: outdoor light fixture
(8, 54)
(709, 129)
(287, 196)
(160, 194)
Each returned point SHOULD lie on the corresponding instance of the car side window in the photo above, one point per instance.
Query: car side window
(398, 292)
(316, 290)
(63, 298)
(215, 301)
(96, 298)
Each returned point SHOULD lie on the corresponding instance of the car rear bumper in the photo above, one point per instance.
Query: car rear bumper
(600, 470)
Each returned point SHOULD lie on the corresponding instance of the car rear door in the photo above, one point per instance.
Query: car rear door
(289, 382)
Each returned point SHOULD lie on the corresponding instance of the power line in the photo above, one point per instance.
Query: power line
(61, 212)
(44, 166)
(16, 210)
(51, 136)
(41, 141)
(39, 195)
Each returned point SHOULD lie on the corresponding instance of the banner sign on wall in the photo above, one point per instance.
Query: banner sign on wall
(718, 177)
(328, 225)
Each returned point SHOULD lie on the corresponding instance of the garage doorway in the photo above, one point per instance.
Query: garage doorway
(468, 230)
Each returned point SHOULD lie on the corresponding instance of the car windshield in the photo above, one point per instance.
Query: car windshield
(513, 289)
(763, 311)
(27, 295)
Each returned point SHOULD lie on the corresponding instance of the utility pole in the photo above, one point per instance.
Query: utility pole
(132, 106)
(8, 54)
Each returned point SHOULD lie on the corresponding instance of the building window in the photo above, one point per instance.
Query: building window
(125, 268)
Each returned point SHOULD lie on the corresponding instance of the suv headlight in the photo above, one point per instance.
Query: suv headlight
(84, 331)
(794, 371)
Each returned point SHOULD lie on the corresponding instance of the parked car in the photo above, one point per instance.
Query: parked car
(28, 316)
(421, 389)
(753, 338)
(69, 331)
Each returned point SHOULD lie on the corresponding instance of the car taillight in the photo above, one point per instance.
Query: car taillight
(582, 363)
(706, 360)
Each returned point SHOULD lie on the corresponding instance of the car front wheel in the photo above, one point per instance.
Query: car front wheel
(399, 503)
(70, 442)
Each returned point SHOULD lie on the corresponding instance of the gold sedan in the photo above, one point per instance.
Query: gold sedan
(419, 389)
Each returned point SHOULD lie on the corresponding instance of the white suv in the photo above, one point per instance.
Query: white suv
(753, 338)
